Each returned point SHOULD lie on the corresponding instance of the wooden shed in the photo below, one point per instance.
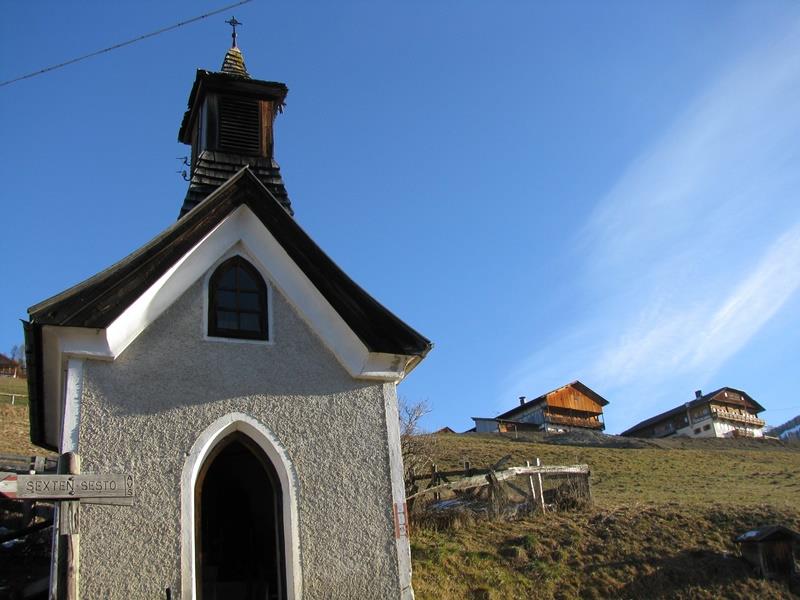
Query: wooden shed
(770, 549)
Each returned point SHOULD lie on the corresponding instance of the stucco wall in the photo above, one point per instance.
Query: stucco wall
(719, 429)
(143, 412)
(725, 429)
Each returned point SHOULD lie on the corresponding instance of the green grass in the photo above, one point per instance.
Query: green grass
(727, 472)
(15, 432)
(661, 526)
(639, 551)
(13, 385)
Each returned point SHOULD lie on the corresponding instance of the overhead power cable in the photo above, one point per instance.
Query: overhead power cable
(120, 45)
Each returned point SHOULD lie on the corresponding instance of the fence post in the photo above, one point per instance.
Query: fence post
(532, 487)
(494, 493)
(539, 484)
(39, 463)
(588, 483)
(411, 488)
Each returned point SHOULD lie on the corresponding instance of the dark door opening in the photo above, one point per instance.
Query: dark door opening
(239, 524)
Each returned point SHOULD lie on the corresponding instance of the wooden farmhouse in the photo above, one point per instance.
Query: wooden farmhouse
(238, 384)
(573, 406)
(725, 412)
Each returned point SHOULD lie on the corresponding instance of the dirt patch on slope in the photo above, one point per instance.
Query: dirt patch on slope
(15, 432)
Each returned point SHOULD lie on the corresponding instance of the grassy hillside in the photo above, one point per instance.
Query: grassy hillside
(690, 472)
(14, 432)
(661, 525)
(13, 385)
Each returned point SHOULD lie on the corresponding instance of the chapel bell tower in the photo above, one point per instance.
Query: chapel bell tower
(229, 124)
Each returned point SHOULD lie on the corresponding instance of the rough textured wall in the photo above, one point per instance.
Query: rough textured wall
(143, 412)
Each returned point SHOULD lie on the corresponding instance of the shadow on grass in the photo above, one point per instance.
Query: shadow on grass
(681, 575)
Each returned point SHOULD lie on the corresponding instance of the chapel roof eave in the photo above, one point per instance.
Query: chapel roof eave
(36, 405)
(98, 301)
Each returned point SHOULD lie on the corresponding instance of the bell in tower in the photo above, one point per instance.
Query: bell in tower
(229, 125)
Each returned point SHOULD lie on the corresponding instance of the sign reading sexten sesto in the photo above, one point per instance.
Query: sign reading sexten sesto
(88, 485)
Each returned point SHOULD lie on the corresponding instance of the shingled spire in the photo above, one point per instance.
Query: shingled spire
(229, 123)
(233, 64)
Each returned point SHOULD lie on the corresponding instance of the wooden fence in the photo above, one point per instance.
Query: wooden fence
(14, 398)
(20, 518)
(14, 371)
(15, 463)
(543, 486)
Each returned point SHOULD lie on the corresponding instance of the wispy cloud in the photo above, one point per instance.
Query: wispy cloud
(751, 304)
(697, 245)
(699, 336)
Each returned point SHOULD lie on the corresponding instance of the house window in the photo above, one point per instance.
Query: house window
(237, 302)
(697, 430)
(706, 427)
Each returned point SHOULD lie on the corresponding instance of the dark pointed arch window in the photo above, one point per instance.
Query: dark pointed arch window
(237, 306)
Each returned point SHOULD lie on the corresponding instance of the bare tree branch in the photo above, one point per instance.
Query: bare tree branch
(417, 447)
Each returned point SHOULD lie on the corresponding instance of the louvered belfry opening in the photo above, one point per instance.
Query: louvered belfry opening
(239, 125)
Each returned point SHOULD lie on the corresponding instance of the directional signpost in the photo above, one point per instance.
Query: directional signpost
(114, 488)
(70, 489)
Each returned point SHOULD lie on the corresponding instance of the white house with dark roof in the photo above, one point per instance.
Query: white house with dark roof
(244, 381)
(726, 412)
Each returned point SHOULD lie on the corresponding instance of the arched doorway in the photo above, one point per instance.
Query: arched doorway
(239, 524)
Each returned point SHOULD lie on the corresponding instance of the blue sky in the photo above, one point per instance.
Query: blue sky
(607, 192)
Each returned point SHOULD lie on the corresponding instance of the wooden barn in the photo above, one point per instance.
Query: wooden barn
(572, 406)
(770, 550)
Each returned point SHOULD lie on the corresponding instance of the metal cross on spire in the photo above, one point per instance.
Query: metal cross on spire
(233, 23)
